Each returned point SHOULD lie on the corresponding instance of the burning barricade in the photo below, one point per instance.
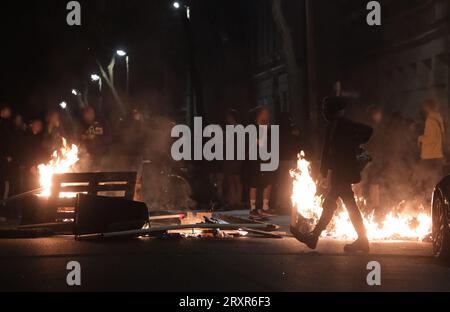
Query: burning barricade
(100, 205)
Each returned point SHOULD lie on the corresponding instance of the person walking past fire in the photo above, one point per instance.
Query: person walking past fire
(340, 158)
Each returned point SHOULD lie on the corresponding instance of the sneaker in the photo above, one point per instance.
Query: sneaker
(360, 245)
(254, 213)
(309, 240)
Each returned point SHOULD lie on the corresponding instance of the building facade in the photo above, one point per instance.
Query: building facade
(268, 49)
(397, 65)
(405, 61)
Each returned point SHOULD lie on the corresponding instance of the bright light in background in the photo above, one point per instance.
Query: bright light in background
(74, 92)
(188, 12)
(63, 105)
(121, 53)
(95, 77)
(176, 5)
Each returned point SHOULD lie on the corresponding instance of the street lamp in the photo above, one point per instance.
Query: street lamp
(78, 94)
(122, 53)
(177, 5)
(193, 105)
(63, 105)
(97, 78)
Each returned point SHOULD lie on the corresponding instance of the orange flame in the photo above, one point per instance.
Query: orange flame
(308, 205)
(62, 161)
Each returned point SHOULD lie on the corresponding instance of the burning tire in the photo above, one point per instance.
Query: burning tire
(441, 230)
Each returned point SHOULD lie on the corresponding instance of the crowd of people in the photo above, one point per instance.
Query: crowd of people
(139, 140)
(407, 158)
(241, 184)
(25, 144)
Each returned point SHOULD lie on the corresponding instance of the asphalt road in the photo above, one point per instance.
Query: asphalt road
(244, 264)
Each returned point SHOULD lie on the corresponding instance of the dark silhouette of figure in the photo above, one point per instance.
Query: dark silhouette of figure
(259, 180)
(232, 169)
(340, 156)
(373, 175)
(94, 137)
(5, 150)
(54, 133)
(34, 154)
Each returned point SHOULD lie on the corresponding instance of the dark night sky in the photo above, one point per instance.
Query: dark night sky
(42, 58)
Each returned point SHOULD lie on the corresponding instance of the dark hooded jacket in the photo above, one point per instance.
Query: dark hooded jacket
(341, 147)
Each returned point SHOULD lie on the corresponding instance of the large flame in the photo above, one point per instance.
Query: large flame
(62, 161)
(395, 226)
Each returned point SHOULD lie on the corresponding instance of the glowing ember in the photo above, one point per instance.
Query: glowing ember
(62, 161)
(394, 226)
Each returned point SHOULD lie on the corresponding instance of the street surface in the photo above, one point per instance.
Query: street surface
(244, 264)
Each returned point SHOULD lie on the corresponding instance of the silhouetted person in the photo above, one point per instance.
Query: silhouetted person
(431, 147)
(341, 148)
(18, 146)
(130, 142)
(232, 169)
(373, 175)
(260, 180)
(94, 137)
(6, 156)
(54, 133)
(34, 154)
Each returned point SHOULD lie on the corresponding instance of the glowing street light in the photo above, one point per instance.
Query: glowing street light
(121, 53)
(74, 92)
(178, 5)
(98, 79)
(95, 77)
(63, 105)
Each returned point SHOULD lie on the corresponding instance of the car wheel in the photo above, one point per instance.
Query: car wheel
(441, 232)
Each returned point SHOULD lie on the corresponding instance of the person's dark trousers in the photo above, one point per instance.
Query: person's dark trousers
(341, 189)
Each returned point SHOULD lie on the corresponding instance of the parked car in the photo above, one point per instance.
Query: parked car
(441, 220)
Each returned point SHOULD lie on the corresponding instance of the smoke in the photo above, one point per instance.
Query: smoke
(142, 142)
(397, 180)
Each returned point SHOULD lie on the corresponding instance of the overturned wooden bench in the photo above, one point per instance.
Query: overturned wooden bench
(60, 206)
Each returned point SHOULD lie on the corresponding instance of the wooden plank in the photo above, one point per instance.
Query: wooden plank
(95, 189)
(99, 177)
(153, 230)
